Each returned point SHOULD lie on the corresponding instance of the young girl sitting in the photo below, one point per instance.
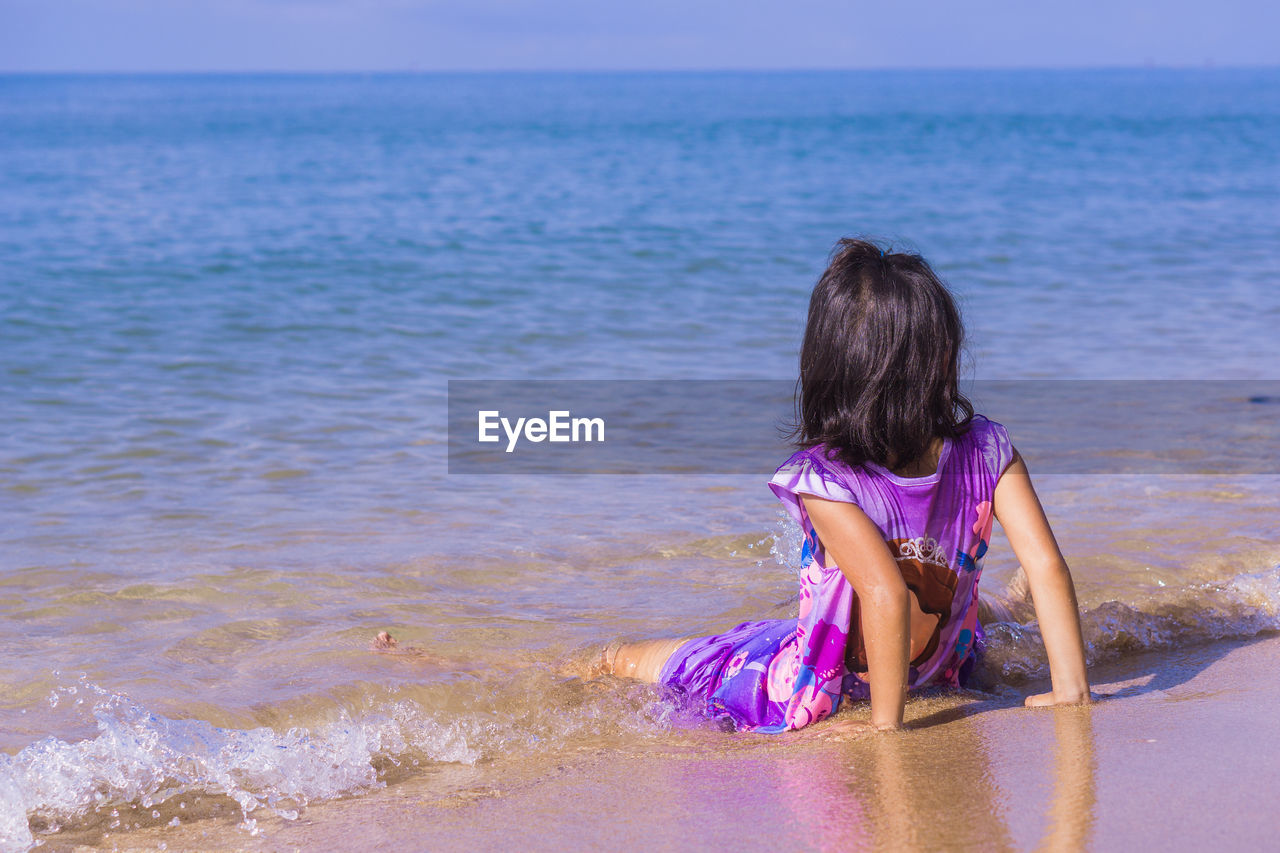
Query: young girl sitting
(895, 487)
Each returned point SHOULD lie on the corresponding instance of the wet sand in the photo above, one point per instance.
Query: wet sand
(1183, 751)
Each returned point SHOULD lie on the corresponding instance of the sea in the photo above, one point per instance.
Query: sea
(231, 307)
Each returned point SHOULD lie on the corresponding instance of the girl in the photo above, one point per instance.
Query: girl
(895, 486)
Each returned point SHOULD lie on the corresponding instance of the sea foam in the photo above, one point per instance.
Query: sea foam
(1241, 606)
(142, 759)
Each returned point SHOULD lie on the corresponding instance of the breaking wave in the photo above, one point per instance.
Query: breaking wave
(139, 759)
(1241, 606)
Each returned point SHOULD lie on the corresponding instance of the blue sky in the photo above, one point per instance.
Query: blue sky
(343, 35)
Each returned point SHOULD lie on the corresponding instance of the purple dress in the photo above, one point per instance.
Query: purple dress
(776, 675)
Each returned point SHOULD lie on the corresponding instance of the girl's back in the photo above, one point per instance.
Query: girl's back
(889, 586)
(937, 528)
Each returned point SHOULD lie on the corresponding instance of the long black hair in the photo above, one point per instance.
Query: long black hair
(879, 367)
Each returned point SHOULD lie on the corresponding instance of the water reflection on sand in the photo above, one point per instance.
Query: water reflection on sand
(933, 787)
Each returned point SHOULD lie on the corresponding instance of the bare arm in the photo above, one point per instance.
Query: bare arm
(1024, 522)
(859, 549)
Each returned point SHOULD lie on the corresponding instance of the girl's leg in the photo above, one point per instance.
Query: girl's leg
(641, 661)
(993, 608)
(1013, 604)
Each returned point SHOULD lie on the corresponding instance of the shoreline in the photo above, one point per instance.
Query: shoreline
(1176, 754)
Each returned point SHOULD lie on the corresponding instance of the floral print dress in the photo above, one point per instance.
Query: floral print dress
(776, 675)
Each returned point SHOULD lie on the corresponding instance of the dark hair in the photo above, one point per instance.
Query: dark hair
(880, 362)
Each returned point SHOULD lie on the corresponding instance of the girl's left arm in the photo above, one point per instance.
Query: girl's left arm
(1024, 522)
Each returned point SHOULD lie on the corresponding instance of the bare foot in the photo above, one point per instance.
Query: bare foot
(384, 643)
(600, 664)
(603, 662)
(388, 644)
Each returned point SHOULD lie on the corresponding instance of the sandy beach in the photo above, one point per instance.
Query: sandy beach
(1175, 756)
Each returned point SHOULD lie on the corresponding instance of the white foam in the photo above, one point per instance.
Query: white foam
(1241, 606)
(140, 757)
(788, 543)
(144, 759)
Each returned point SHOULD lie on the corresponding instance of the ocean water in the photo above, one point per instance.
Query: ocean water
(230, 307)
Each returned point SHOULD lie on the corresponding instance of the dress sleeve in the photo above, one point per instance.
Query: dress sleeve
(997, 450)
(805, 474)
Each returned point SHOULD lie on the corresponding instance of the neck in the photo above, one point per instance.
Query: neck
(923, 465)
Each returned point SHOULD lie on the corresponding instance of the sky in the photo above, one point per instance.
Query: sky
(429, 35)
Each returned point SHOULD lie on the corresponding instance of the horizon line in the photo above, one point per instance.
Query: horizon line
(1143, 66)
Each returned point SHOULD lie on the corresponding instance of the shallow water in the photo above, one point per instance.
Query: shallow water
(229, 307)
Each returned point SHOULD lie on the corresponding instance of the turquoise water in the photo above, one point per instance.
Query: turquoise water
(229, 307)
